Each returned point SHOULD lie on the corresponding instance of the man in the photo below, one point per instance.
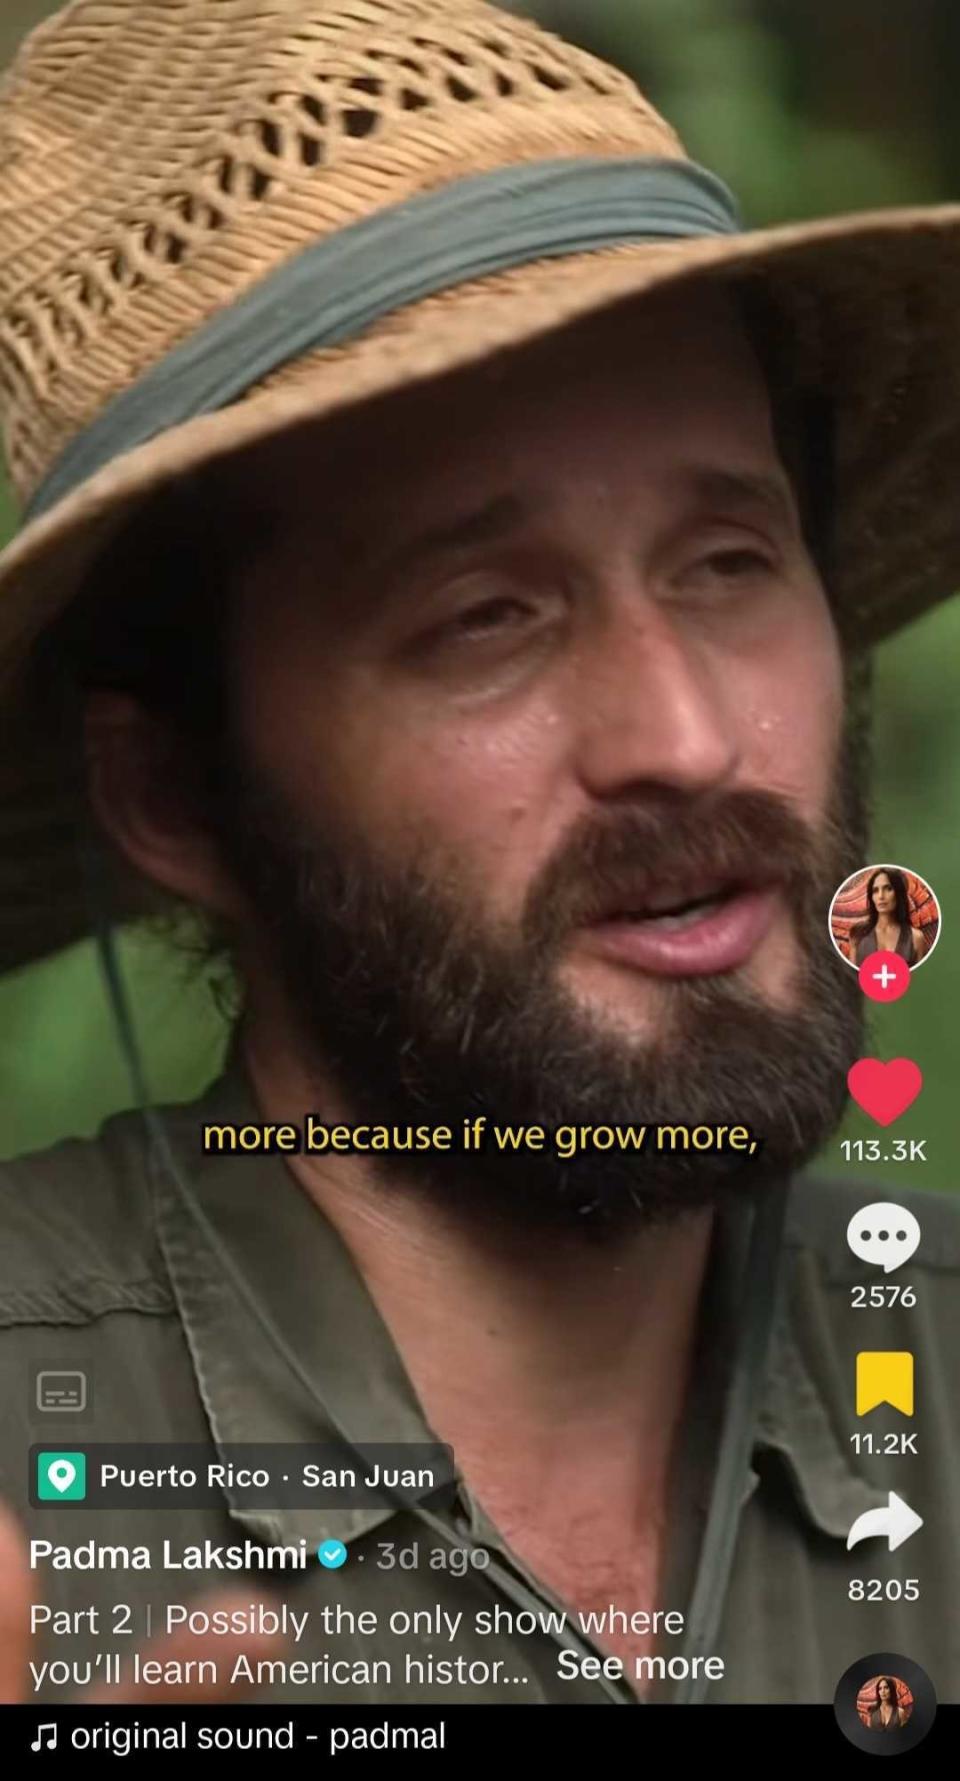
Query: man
(460, 619)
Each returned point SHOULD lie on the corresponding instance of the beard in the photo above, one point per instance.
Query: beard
(417, 1009)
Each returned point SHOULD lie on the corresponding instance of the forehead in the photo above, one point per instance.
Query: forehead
(634, 387)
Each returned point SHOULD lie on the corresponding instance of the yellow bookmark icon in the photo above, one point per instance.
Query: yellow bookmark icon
(885, 1379)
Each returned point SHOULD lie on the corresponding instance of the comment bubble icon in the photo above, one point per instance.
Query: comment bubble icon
(884, 1234)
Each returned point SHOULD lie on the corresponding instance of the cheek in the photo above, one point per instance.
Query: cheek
(482, 788)
(790, 697)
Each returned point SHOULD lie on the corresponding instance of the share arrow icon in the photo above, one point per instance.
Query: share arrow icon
(896, 1523)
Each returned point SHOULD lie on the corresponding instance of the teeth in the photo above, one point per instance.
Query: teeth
(678, 901)
(677, 918)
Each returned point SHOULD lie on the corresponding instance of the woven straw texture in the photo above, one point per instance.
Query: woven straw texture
(160, 157)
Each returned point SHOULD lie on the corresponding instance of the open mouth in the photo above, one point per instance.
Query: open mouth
(694, 929)
(678, 912)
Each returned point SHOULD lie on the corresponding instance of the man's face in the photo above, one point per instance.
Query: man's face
(543, 652)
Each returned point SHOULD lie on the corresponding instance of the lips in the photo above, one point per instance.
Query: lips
(682, 930)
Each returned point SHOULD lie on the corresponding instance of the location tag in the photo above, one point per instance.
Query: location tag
(61, 1477)
(61, 1474)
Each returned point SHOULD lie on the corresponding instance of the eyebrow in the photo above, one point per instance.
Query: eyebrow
(708, 485)
(743, 489)
(484, 525)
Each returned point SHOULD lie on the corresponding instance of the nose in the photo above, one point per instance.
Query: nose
(656, 712)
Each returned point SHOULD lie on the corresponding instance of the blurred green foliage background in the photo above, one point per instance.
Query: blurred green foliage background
(805, 107)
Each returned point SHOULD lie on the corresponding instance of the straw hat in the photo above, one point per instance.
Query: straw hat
(219, 217)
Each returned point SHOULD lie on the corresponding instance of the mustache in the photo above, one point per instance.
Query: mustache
(743, 837)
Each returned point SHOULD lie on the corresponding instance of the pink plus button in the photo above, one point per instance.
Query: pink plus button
(884, 976)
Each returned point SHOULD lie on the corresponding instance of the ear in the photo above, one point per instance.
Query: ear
(137, 779)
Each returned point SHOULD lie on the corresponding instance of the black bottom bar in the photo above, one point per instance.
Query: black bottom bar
(340, 1736)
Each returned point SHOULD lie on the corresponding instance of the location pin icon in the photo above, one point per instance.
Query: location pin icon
(61, 1473)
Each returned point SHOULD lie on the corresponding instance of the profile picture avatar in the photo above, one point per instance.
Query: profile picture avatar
(885, 1703)
(884, 908)
(885, 1692)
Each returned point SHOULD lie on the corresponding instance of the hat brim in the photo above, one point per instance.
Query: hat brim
(869, 303)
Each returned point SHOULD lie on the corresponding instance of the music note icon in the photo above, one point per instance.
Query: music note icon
(41, 1741)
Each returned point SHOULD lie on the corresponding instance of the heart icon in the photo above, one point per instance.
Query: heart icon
(884, 1090)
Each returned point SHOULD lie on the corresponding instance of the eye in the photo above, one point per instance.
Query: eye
(493, 625)
(498, 613)
(494, 617)
(727, 566)
(740, 561)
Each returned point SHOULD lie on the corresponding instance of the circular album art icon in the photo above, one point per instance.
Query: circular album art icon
(888, 909)
(885, 1703)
